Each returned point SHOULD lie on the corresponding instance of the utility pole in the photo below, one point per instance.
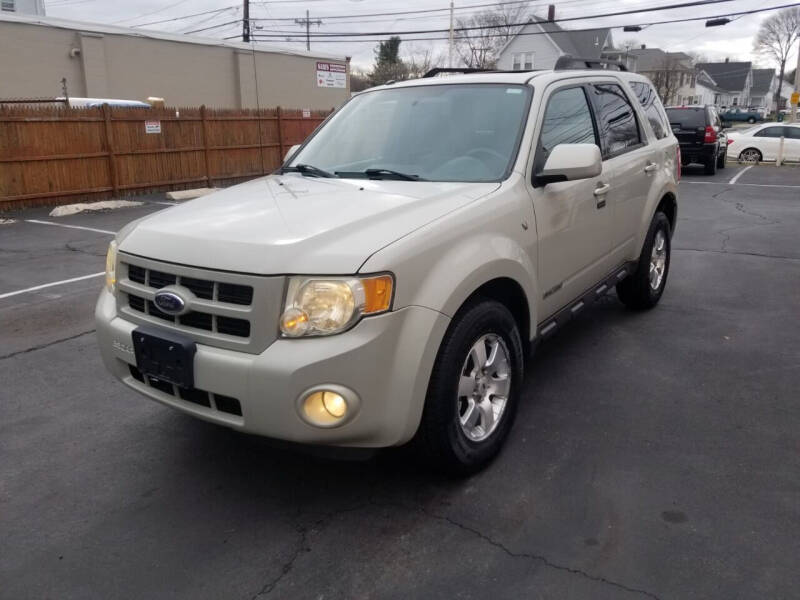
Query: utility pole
(308, 23)
(450, 44)
(796, 84)
(246, 21)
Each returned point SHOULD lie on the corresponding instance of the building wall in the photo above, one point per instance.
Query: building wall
(545, 53)
(116, 65)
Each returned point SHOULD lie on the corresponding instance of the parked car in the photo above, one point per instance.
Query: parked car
(762, 143)
(701, 135)
(384, 286)
(738, 114)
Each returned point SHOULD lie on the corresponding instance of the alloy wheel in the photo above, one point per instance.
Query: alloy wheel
(483, 387)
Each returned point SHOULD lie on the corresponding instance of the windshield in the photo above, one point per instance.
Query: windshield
(449, 132)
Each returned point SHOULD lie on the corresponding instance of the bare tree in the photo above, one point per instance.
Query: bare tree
(775, 39)
(420, 60)
(667, 78)
(478, 48)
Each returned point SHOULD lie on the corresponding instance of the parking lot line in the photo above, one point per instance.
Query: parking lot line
(70, 226)
(735, 178)
(768, 185)
(47, 285)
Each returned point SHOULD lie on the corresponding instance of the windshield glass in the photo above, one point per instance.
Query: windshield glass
(449, 132)
(687, 118)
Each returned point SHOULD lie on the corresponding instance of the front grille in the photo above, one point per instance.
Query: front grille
(236, 311)
(222, 403)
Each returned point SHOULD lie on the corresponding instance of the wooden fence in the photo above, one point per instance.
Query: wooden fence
(53, 155)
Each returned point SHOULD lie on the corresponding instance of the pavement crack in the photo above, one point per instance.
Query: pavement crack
(735, 252)
(46, 345)
(526, 555)
(301, 547)
(72, 248)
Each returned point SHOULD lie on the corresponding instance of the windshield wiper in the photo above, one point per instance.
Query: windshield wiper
(309, 170)
(374, 173)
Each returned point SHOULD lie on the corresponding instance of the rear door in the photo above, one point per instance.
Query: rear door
(630, 159)
(768, 140)
(792, 143)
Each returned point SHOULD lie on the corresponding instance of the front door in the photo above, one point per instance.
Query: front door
(573, 218)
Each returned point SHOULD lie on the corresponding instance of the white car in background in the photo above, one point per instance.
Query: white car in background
(762, 143)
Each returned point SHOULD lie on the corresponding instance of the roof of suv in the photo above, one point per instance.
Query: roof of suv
(514, 77)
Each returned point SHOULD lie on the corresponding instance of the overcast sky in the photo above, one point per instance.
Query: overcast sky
(734, 40)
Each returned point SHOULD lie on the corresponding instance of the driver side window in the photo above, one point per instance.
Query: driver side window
(567, 120)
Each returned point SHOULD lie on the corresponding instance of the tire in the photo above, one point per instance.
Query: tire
(711, 166)
(455, 435)
(637, 291)
(751, 120)
(721, 160)
(750, 155)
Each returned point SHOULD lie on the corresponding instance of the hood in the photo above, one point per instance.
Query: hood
(295, 224)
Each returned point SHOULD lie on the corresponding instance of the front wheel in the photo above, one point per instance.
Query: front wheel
(751, 120)
(643, 289)
(473, 391)
(750, 155)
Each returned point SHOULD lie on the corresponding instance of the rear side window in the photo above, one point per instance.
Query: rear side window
(773, 132)
(793, 132)
(687, 118)
(616, 119)
(652, 107)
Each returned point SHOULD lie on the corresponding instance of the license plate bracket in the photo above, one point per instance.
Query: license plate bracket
(165, 355)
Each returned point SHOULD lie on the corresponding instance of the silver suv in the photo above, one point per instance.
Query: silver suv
(386, 284)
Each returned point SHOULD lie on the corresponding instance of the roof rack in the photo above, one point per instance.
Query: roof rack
(437, 70)
(576, 62)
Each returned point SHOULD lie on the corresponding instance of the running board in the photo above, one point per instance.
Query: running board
(549, 326)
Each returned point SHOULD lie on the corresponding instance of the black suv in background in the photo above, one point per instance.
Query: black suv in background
(701, 135)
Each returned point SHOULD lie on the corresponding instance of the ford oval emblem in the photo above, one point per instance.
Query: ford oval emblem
(169, 302)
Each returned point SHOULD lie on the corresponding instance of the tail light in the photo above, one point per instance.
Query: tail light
(711, 135)
(730, 141)
(677, 162)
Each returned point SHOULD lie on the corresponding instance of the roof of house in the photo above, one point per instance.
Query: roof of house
(704, 79)
(655, 59)
(729, 76)
(587, 43)
(762, 81)
(59, 23)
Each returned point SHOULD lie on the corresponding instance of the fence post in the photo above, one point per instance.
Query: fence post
(204, 120)
(109, 139)
(280, 136)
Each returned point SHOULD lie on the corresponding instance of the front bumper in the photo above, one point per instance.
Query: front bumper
(386, 360)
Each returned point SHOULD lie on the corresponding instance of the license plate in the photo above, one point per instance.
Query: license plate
(165, 355)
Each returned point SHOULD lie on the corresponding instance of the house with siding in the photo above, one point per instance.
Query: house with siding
(672, 73)
(540, 43)
(765, 84)
(735, 80)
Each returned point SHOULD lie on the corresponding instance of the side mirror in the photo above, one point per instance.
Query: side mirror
(568, 162)
(291, 151)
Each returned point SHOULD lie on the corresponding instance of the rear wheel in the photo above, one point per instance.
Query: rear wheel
(750, 155)
(473, 391)
(711, 165)
(721, 160)
(751, 120)
(643, 289)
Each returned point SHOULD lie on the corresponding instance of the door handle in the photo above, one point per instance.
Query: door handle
(651, 166)
(602, 189)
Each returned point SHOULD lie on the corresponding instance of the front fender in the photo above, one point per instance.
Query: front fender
(442, 264)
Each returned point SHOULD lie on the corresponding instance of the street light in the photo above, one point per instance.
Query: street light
(717, 22)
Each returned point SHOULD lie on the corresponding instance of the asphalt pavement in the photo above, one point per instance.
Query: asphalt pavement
(655, 455)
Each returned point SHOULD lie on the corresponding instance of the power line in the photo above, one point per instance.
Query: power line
(308, 22)
(200, 14)
(506, 25)
(525, 33)
(210, 27)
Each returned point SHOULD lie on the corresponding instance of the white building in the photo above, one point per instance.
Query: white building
(23, 7)
(538, 45)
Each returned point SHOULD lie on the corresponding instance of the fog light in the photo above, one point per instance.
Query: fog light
(323, 406)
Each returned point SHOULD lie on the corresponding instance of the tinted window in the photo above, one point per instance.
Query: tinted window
(774, 132)
(652, 107)
(616, 119)
(687, 118)
(793, 132)
(567, 120)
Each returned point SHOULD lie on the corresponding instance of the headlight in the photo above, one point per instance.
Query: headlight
(317, 306)
(111, 266)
